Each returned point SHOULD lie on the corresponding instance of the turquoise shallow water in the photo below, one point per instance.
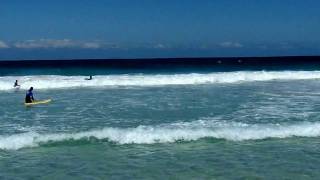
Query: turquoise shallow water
(210, 125)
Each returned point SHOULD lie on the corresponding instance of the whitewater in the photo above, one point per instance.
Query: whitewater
(166, 134)
(141, 80)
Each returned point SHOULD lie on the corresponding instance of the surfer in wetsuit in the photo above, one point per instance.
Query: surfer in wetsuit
(90, 78)
(16, 84)
(29, 96)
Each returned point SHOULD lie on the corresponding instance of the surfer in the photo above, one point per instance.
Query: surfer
(90, 78)
(29, 96)
(16, 84)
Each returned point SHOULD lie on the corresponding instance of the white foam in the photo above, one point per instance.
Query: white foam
(56, 81)
(168, 133)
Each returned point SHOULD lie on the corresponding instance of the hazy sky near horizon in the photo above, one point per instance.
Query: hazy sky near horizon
(157, 28)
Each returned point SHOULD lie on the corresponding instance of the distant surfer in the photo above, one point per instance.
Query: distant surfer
(29, 96)
(16, 85)
(90, 78)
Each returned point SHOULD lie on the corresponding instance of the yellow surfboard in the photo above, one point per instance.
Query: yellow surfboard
(38, 102)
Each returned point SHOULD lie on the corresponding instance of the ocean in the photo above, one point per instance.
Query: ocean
(161, 123)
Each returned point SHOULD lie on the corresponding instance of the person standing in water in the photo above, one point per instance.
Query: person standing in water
(16, 84)
(29, 96)
(90, 78)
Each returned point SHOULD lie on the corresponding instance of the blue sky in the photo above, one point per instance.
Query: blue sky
(38, 29)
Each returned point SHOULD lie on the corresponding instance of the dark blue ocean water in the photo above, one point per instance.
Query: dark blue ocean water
(199, 123)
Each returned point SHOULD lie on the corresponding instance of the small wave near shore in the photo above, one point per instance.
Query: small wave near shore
(168, 133)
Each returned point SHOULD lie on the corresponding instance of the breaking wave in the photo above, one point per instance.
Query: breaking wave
(57, 81)
(168, 133)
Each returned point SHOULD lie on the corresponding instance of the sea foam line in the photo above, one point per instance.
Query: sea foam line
(56, 81)
(167, 134)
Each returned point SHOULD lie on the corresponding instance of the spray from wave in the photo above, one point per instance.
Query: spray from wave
(168, 133)
(56, 81)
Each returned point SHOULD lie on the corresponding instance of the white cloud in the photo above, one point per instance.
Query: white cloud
(159, 46)
(56, 43)
(286, 45)
(91, 45)
(3, 45)
(229, 44)
(43, 43)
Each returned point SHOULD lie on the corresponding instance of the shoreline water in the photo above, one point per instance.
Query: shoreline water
(202, 121)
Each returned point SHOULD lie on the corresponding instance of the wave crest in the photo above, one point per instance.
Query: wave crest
(56, 81)
(167, 134)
